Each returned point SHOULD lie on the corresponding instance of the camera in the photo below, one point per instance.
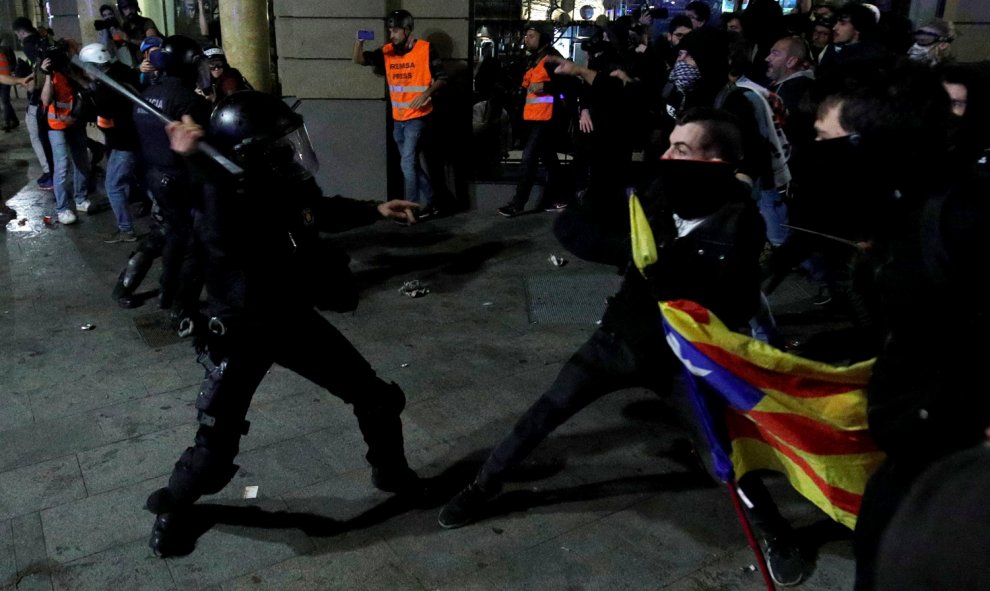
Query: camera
(104, 24)
(58, 52)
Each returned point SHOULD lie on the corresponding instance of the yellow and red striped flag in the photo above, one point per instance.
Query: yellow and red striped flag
(781, 412)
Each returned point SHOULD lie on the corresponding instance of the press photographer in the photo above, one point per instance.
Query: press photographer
(66, 105)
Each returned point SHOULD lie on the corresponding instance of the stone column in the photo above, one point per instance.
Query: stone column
(64, 19)
(246, 40)
(156, 10)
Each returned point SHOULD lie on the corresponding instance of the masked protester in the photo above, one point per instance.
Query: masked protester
(266, 277)
(708, 235)
(932, 43)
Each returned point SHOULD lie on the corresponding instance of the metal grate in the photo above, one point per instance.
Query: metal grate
(569, 299)
(156, 329)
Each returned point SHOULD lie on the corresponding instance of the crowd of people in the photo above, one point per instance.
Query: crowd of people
(837, 141)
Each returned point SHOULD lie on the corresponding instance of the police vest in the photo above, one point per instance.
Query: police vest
(538, 107)
(408, 77)
(60, 109)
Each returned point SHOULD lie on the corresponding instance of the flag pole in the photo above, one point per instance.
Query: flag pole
(753, 543)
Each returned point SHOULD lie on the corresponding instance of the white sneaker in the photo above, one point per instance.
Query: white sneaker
(84, 206)
(66, 217)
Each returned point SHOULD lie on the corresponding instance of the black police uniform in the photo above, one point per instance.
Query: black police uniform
(171, 186)
(266, 274)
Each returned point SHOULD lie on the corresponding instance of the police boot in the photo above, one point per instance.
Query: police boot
(172, 535)
(134, 273)
(381, 427)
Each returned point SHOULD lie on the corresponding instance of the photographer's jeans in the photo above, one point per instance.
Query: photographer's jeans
(121, 165)
(70, 155)
(408, 135)
(31, 120)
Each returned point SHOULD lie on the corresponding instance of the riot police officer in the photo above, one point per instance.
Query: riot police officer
(180, 60)
(266, 274)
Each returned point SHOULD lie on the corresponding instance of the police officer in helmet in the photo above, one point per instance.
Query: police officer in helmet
(268, 270)
(182, 70)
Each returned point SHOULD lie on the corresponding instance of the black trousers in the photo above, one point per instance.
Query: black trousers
(607, 363)
(306, 343)
(182, 263)
(9, 116)
(539, 147)
(885, 492)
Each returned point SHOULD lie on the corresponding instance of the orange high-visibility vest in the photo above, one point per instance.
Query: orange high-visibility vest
(60, 109)
(104, 122)
(408, 76)
(538, 107)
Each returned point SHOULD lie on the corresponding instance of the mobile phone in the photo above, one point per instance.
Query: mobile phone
(366, 35)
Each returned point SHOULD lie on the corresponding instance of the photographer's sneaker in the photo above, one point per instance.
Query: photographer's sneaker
(84, 206)
(45, 182)
(509, 210)
(66, 217)
(120, 236)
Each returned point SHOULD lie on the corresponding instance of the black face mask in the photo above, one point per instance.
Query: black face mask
(696, 188)
(841, 162)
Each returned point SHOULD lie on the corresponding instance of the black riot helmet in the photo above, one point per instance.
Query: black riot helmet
(400, 19)
(262, 134)
(179, 56)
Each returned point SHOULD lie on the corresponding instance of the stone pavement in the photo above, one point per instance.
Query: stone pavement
(91, 421)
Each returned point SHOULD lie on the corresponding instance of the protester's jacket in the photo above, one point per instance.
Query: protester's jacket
(926, 395)
(715, 265)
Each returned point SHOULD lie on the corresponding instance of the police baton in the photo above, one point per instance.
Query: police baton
(132, 96)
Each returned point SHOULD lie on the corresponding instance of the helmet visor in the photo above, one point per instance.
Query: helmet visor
(292, 157)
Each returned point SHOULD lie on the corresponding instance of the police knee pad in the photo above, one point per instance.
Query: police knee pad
(215, 412)
(130, 278)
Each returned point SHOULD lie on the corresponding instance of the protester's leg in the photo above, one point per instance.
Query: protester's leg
(75, 136)
(120, 170)
(597, 368)
(773, 208)
(604, 364)
(884, 494)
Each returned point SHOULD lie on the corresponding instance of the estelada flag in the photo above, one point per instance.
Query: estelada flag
(781, 412)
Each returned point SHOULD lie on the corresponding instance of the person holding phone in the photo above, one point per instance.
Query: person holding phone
(414, 73)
